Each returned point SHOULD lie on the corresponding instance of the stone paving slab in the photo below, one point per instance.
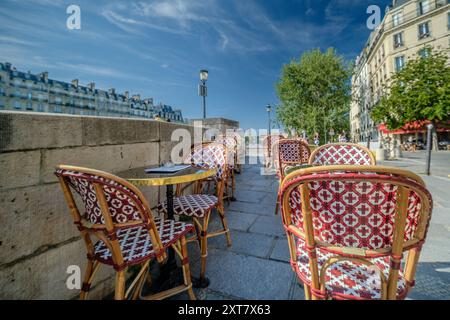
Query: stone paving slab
(280, 251)
(245, 207)
(247, 277)
(270, 225)
(245, 243)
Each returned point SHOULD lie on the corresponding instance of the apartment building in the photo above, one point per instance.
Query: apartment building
(24, 91)
(408, 29)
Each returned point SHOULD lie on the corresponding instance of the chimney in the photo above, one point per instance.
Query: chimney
(112, 91)
(75, 83)
(8, 66)
(137, 97)
(127, 94)
(91, 86)
(44, 76)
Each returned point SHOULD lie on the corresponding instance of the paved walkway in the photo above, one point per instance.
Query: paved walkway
(257, 265)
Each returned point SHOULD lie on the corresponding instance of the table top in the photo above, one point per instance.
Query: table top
(139, 177)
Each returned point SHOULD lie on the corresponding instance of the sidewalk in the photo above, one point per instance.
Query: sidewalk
(257, 264)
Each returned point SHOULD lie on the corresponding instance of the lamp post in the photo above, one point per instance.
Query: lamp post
(269, 111)
(429, 146)
(203, 90)
(269, 139)
(331, 133)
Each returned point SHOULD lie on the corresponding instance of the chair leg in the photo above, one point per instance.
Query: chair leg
(277, 207)
(233, 185)
(204, 245)
(225, 225)
(307, 291)
(186, 269)
(120, 285)
(89, 276)
(138, 290)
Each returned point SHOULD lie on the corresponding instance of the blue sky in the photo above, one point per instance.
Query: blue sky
(156, 48)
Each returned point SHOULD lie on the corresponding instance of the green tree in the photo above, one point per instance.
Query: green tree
(420, 91)
(315, 93)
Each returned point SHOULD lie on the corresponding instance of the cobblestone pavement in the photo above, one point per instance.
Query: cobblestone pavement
(257, 264)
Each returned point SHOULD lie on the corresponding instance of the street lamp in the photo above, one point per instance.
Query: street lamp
(203, 90)
(269, 111)
(430, 128)
(331, 133)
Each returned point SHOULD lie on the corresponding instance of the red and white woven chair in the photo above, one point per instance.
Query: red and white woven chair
(349, 228)
(230, 144)
(269, 149)
(118, 229)
(291, 153)
(199, 206)
(342, 154)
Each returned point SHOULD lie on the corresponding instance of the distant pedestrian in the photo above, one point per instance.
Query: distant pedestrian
(316, 139)
(343, 137)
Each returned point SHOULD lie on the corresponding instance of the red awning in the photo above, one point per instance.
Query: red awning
(414, 127)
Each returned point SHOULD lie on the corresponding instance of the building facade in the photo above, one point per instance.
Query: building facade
(24, 91)
(409, 28)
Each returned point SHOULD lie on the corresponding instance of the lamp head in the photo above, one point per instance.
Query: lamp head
(203, 75)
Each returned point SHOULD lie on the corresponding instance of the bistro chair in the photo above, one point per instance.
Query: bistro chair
(355, 232)
(269, 149)
(342, 154)
(230, 184)
(119, 230)
(291, 153)
(199, 206)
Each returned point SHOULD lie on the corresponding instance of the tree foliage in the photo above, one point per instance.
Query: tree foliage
(420, 91)
(315, 93)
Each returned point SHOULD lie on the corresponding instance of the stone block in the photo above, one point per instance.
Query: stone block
(44, 276)
(107, 131)
(26, 131)
(167, 128)
(33, 218)
(19, 169)
(111, 159)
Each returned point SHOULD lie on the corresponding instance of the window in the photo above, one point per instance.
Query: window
(424, 6)
(29, 106)
(398, 40)
(425, 52)
(29, 96)
(17, 105)
(448, 21)
(424, 30)
(399, 63)
(40, 107)
(397, 18)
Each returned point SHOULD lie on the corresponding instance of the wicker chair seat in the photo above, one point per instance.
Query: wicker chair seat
(196, 205)
(349, 279)
(136, 245)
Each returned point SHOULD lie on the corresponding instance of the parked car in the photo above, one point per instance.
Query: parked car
(444, 145)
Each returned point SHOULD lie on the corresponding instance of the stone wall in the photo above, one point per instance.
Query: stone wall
(220, 125)
(38, 240)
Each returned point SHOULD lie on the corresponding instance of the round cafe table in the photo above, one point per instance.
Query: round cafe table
(170, 273)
